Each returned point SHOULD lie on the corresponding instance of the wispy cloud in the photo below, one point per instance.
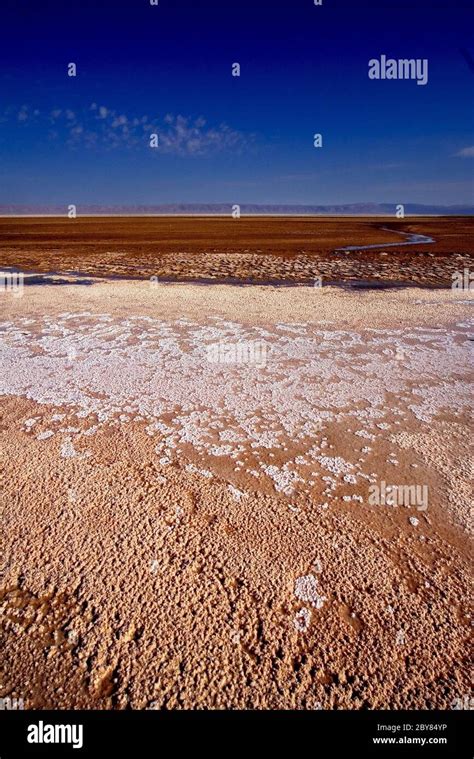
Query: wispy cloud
(99, 126)
(466, 152)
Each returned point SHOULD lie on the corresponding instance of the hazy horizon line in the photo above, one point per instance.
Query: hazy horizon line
(226, 216)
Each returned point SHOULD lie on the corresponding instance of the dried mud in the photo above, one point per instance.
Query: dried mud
(285, 250)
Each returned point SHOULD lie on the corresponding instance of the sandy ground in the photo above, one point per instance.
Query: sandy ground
(184, 529)
(258, 249)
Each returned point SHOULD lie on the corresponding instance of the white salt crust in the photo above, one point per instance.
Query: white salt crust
(306, 589)
(302, 619)
(107, 370)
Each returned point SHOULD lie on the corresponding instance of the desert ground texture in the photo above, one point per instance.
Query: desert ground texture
(262, 250)
(188, 469)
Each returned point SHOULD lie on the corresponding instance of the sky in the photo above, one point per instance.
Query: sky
(166, 69)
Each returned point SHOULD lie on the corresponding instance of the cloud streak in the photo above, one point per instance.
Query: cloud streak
(101, 127)
(466, 152)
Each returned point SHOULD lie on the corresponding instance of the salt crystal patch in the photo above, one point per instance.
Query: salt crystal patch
(302, 620)
(334, 464)
(364, 433)
(195, 470)
(220, 450)
(236, 494)
(283, 479)
(67, 449)
(306, 589)
(400, 639)
(44, 435)
(92, 430)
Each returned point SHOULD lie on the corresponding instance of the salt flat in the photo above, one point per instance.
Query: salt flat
(200, 532)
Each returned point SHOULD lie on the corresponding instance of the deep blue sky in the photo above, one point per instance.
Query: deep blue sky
(167, 69)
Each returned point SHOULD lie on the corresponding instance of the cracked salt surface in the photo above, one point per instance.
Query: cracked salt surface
(157, 371)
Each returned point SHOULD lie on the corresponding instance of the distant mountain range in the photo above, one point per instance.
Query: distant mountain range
(350, 209)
